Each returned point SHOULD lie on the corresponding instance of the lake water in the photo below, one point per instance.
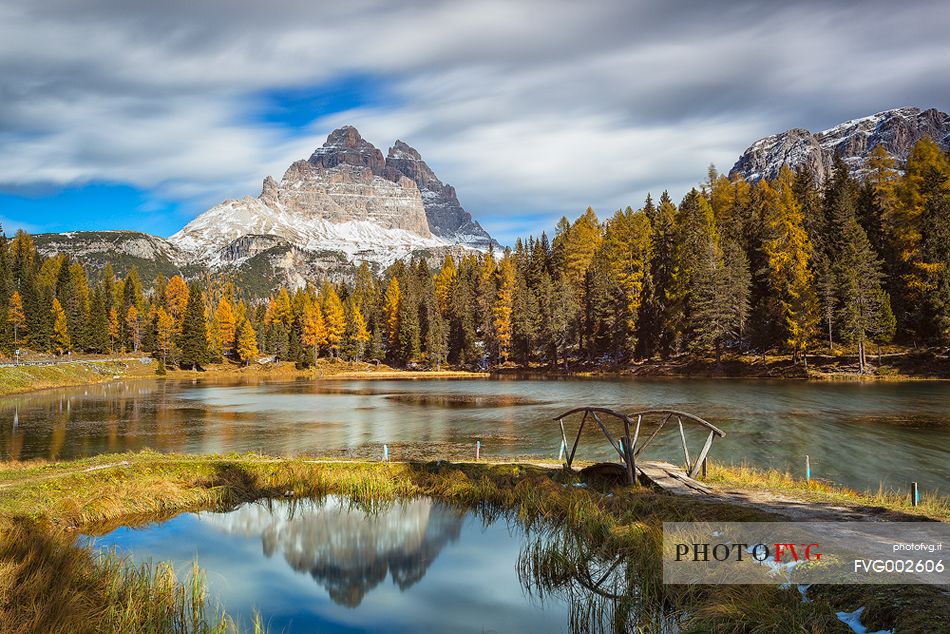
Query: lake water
(859, 434)
(411, 566)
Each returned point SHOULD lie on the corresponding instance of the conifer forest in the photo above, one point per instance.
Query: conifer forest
(785, 266)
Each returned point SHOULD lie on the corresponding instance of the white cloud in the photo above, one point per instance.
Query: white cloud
(536, 107)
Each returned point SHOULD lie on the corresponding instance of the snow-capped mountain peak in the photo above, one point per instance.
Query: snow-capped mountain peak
(346, 198)
(897, 130)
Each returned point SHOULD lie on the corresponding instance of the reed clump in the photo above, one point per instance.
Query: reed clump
(48, 584)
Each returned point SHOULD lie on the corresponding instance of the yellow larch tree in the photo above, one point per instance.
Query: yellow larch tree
(227, 328)
(501, 310)
(16, 316)
(133, 327)
(788, 250)
(335, 318)
(314, 333)
(246, 342)
(391, 301)
(444, 280)
(164, 331)
(358, 330)
(61, 339)
(176, 298)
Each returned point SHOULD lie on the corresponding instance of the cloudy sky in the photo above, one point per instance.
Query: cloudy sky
(139, 115)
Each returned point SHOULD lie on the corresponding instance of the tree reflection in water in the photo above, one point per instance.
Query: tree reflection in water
(606, 590)
(349, 549)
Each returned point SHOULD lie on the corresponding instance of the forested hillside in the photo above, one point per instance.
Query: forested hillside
(781, 265)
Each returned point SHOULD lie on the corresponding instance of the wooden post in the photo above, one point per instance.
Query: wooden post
(632, 448)
(570, 459)
(701, 460)
(563, 439)
(627, 453)
(915, 495)
(705, 468)
(689, 467)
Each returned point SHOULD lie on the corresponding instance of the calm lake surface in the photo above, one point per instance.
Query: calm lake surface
(859, 434)
(305, 566)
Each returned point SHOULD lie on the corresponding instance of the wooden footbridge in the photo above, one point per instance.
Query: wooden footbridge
(628, 442)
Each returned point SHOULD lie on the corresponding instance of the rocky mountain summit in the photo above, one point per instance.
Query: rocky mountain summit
(345, 204)
(447, 219)
(896, 130)
(346, 197)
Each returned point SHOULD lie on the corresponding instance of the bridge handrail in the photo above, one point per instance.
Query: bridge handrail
(603, 410)
(693, 417)
(629, 450)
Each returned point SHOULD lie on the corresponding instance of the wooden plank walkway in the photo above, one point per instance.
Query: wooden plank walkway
(670, 478)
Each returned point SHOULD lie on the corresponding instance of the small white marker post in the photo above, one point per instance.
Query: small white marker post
(915, 495)
(478, 449)
(386, 453)
(807, 469)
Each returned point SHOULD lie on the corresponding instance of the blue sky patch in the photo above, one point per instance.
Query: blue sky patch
(90, 207)
(295, 108)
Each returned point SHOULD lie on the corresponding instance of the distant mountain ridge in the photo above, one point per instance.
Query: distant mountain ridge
(897, 130)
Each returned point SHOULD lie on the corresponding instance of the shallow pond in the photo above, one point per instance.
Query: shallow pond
(410, 566)
(859, 434)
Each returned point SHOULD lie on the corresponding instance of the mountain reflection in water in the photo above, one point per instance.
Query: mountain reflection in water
(347, 549)
(401, 566)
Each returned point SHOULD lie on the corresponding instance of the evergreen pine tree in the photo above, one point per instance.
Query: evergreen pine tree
(864, 304)
(193, 338)
(655, 329)
(436, 337)
(696, 266)
(525, 315)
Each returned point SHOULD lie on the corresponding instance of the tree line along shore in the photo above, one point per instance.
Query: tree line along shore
(736, 270)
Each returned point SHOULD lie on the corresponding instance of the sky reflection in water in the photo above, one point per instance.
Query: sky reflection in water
(410, 566)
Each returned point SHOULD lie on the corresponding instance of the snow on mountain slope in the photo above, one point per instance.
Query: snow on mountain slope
(447, 219)
(896, 130)
(344, 199)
